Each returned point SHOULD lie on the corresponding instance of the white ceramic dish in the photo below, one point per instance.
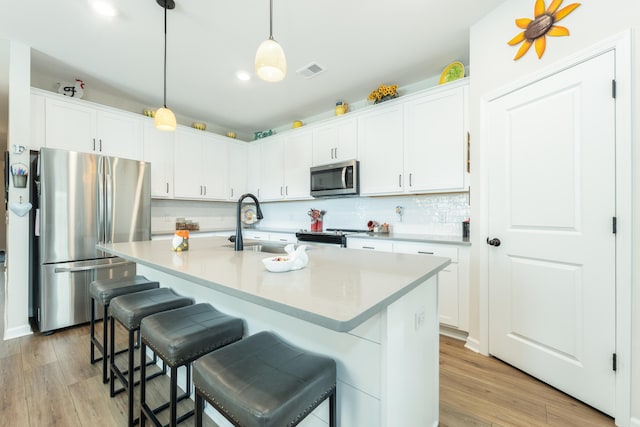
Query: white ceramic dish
(278, 264)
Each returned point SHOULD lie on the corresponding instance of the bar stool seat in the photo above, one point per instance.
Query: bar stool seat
(102, 291)
(264, 381)
(179, 337)
(129, 310)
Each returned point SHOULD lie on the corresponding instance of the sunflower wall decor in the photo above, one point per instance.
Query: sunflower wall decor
(543, 24)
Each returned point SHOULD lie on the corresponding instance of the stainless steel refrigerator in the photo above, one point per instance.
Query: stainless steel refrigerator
(83, 199)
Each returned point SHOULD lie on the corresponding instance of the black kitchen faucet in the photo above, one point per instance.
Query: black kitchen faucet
(238, 244)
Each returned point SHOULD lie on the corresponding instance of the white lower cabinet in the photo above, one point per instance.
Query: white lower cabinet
(453, 280)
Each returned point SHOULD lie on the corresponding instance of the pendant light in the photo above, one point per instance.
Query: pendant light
(271, 65)
(164, 117)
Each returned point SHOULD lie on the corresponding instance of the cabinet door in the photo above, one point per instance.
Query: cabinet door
(254, 168)
(435, 143)
(272, 169)
(70, 126)
(187, 165)
(448, 283)
(237, 170)
(158, 150)
(214, 167)
(335, 142)
(119, 134)
(380, 151)
(297, 162)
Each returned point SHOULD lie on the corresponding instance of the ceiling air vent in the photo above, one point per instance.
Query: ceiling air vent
(310, 70)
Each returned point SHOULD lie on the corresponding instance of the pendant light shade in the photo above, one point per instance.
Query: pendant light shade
(271, 64)
(164, 118)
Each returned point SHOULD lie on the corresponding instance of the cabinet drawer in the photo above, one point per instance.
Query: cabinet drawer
(370, 244)
(427, 249)
(255, 235)
(283, 237)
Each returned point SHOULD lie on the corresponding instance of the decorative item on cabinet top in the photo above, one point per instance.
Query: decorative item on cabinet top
(383, 93)
(199, 125)
(451, 72)
(73, 90)
(264, 134)
(341, 108)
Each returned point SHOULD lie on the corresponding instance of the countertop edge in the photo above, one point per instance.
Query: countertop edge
(418, 238)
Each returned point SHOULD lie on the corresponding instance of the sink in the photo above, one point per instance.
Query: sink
(271, 248)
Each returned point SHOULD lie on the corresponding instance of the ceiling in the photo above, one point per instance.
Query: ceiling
(360, 43)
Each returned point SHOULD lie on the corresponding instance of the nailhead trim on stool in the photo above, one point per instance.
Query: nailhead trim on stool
(129, 310)
(102, 291)
(179, 337)
(264, 381)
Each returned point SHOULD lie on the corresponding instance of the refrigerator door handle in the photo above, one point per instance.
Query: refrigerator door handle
(101, 201)
(108, 225)
(89, 267)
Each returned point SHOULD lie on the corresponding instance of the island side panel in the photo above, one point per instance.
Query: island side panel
(410, 359)
(358, 353)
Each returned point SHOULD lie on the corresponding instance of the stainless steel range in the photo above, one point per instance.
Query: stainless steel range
(333, 236)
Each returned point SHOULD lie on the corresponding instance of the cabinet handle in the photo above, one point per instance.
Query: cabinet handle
(283, 240)
(425, 252)
(100, 144)
(335, 151)
(400, 180)
(369, 247)
(201, 190)
(281, 193)
(205, 190)
(94, 144)
(258, 193)
(410, 183)
(231, 191)
(167, 188)
(286, 190)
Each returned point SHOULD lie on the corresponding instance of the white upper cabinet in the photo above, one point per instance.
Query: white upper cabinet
(415, 146)
(380, 150)
(254, 169)
(285, 163)
(158, 150)
(237, 184)
(80, 126)
(200, 165)
(434, 142)
(335, 141)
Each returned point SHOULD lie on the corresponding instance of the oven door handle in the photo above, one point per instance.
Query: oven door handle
(344, 177)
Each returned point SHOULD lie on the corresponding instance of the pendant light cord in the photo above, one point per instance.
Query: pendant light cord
(270, 19)
(165, 55)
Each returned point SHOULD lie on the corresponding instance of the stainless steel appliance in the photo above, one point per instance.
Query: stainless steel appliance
(333, 236)
(83, 199)
(336, 179)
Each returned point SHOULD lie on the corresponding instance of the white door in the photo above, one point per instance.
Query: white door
(551, 205)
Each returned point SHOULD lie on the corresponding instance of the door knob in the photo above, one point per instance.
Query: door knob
(493, 242)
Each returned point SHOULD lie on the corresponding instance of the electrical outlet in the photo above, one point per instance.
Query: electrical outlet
(419, 318)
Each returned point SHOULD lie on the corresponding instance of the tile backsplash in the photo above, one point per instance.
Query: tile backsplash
(440, 214)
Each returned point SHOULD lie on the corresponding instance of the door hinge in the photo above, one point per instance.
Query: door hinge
(614, 224)
(613, 89)
(615, 362)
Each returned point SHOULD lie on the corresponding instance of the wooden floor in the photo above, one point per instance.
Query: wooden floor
(48, 381)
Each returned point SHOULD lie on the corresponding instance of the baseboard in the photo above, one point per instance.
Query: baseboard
(453, 333)
(17, 332)
(472, 344)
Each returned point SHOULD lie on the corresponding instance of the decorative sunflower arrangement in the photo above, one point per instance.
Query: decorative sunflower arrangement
(383, 93)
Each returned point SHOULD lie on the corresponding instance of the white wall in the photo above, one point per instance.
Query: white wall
(493, 68)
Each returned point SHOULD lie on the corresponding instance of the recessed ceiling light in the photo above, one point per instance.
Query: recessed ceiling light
(243, 75)
(104, 8)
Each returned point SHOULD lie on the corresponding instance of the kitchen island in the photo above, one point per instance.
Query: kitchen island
(376, 314)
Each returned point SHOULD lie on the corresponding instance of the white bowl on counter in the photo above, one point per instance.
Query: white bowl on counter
(278, 264)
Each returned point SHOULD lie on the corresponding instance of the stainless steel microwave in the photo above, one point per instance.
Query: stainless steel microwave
(336, 179)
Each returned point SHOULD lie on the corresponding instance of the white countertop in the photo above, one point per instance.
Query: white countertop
(339, 289)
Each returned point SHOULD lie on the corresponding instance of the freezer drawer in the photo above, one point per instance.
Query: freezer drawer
(63, 295)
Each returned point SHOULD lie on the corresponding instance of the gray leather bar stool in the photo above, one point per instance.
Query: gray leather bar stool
(179, 337)
(264, 381)
(102, 292)
(129, 310)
